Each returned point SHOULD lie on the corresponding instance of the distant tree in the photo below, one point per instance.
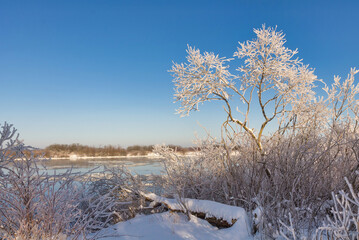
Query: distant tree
(65, 150)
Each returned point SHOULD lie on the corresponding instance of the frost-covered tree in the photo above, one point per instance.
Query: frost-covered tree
(306, 143)
(270, 76)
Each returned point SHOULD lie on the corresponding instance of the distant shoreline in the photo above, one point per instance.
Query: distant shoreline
(101, 157)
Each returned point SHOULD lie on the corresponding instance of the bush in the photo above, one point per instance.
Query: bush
(37, 205)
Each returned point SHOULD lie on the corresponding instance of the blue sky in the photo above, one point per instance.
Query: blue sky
(95, 72)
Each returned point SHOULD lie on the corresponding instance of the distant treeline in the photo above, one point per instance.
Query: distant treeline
(65, 150)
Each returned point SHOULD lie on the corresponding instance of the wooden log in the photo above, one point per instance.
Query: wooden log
(214, 221)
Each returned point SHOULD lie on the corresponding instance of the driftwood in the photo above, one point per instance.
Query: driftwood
(217, 222)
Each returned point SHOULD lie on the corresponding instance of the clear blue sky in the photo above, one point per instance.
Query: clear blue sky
(95, 72)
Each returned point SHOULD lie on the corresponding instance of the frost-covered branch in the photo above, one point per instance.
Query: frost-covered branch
(201, 79)
(342, 98)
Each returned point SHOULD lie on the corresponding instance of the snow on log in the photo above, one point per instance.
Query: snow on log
(215, 213)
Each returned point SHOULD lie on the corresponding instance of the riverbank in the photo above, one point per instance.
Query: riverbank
(78, 151)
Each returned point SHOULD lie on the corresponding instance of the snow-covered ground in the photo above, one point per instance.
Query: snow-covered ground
(175, 225)
(171, 226)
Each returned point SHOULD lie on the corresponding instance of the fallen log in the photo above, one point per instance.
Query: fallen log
(217, 214)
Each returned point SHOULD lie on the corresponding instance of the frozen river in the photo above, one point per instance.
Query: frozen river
(137, 165)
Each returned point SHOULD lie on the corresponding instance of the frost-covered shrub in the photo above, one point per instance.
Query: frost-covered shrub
(128, 197)
(303, 172)
(340, 223)
(344, 220)
(37, 205)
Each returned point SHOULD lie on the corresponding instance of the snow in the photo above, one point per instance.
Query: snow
(73, 157)
(174, 226)
(257, 215)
